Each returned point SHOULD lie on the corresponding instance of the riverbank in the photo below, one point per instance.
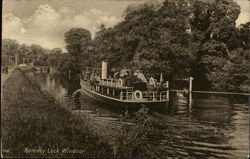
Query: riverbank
(211, 126)
(34, 125)
(5, 76)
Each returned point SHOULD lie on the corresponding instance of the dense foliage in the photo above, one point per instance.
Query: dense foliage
(179, 38)
(145, 137)
(29, 53)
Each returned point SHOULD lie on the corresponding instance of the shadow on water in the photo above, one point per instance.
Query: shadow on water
(87, 103)
(211, 125)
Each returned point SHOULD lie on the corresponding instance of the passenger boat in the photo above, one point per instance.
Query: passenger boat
(113, 91)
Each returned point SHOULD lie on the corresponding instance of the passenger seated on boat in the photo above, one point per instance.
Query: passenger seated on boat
(124, 72)
(150, 90)
(128, 80)
(140, 75)
(154, 87)
(93, 79)
(132, 80)
(86, 76)
(117, 75)
(83, 75)
(160, 88)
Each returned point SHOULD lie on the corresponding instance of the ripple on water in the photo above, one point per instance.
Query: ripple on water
(213, 126)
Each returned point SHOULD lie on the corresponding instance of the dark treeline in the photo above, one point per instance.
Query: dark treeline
(35, 54)
(179, 38)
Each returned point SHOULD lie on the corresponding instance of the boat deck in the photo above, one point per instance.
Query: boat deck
(114, 91)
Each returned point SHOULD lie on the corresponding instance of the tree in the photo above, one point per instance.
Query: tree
(36, 54)
(214, 20)
(223, 13)
(9, 49)
(210, 60)
(23, 51)
(237, 70)
(213, 30)
(56, 51)
(241, 37)
(151, 37)
(77, 40)
(244, 36)
(178, 38)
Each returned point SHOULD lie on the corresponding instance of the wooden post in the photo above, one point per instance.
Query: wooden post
(190, 84)
(153, 96)
(190, 100)
(160, 96)
(167, 95)
(190, 91)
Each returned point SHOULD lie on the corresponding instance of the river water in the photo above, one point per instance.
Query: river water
(214, 126)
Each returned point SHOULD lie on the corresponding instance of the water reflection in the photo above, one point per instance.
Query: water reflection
(211, 125)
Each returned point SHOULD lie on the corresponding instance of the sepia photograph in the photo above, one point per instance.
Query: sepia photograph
(125, 79)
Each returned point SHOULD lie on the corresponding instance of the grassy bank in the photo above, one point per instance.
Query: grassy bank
(33, 125)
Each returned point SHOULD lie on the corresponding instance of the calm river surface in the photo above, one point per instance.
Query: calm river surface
(213, 126)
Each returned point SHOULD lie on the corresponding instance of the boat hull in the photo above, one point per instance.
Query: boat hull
(97, 97)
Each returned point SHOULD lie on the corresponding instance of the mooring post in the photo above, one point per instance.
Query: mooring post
(167, 95)
(190, 100)
(190, 84)
(190, 91)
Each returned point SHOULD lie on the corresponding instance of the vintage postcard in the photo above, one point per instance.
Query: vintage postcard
(125, 78)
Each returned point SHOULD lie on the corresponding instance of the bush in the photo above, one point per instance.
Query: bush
(144, 139)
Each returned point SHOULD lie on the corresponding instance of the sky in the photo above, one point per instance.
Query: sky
(44, 22)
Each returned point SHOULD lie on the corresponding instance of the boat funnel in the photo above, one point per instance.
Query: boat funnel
(104, 69)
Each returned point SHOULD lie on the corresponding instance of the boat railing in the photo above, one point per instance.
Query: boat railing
(129, 94)
(145, 96)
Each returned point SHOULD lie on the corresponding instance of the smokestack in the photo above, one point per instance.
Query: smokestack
(104, 69)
